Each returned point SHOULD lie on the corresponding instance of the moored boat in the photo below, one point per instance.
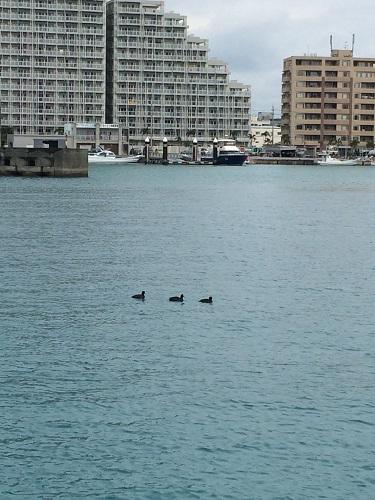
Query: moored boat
(228, 154)
(104, 156)
(332, 161)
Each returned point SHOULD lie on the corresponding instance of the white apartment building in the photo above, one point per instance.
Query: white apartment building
(52, 64)
(162, 83)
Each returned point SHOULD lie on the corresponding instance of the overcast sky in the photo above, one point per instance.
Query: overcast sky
(254, 36)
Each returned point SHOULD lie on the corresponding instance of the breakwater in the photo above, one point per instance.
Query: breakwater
(43, 162)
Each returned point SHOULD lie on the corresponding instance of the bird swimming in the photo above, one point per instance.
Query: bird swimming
(139, 296)
(206, 301)
(177, 299)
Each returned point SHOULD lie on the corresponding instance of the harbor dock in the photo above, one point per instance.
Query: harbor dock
(263, 160)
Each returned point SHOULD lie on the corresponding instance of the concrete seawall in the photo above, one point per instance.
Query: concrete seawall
(281, 161)
(43, 162)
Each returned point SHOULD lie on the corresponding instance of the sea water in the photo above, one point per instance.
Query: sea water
(268, 393)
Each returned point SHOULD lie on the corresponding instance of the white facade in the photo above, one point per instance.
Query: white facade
(92, 135)
(52, 63)
(264, 132)
(161, 82)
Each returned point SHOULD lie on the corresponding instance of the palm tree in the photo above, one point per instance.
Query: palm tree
(354, 144)
(332, 141)
(251, 138)
(285, 139)
(267, 137)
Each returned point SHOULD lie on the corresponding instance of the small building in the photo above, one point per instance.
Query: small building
(91, 135)
(265, 130)
(36, 141)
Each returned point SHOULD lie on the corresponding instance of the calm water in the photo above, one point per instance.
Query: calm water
(266, 394)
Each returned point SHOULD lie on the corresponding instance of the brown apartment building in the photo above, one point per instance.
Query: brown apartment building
(329, 101)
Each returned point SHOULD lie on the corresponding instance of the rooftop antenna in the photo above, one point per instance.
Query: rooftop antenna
(353, 42)
(331, 42)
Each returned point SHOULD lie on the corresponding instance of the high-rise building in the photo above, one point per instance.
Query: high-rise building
(329, 101)
(52, 63)
(161, 82)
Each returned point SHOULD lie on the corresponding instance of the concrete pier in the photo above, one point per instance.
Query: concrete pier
(280, 161)
(43, 162)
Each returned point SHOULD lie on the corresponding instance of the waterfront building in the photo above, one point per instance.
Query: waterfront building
(162, 83)
(92, 135)
(265, 130)
(329, 101)
(52, 64)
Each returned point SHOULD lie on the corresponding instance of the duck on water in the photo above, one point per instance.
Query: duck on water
(142, 295)
(177, 299)
(206, 301)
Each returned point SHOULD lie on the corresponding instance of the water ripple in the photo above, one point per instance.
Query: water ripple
(267, 394)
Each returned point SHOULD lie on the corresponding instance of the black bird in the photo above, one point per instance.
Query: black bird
(177, 299)
(139, 296)
(206, 301)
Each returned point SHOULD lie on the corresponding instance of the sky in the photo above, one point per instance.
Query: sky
(254, 36)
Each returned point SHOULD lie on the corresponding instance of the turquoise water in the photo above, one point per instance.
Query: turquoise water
(268, 393)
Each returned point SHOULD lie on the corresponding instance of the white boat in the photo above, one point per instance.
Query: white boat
(332, 161)
(104, 156)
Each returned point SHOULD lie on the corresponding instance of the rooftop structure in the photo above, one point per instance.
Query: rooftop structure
(329, 101)
(52, 64)
(161, 82)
